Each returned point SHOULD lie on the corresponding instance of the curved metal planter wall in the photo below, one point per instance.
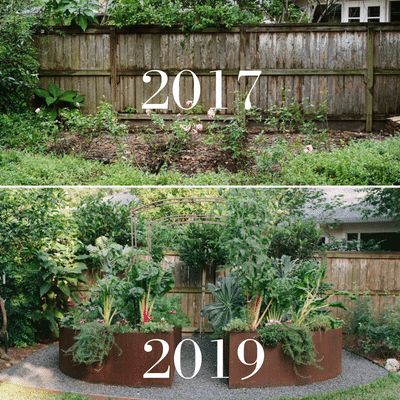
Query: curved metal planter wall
(278, 369)
(127, 361)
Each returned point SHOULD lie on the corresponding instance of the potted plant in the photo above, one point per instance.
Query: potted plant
(113, 337)
(300, 341)
(274, 308)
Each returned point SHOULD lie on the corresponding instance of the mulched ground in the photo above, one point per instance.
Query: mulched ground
(150, 151)
(18, 354)
(350, 343)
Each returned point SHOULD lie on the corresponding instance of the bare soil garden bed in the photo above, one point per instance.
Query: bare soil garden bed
(152, 152)
(350, 343)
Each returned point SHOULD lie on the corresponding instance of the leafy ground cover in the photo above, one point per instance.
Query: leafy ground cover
(20, 168)
(367, 162)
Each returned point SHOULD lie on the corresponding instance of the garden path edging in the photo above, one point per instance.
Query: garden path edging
(40, 370)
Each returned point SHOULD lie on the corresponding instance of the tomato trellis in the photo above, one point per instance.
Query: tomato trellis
(177, 219)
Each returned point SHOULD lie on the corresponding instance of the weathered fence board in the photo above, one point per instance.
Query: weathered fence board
(375, 274)
(189, 285)
(355, 67)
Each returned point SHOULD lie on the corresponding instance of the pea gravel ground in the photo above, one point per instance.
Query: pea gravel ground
(40, 370)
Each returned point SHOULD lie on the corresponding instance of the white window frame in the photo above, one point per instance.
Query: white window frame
(363, 5)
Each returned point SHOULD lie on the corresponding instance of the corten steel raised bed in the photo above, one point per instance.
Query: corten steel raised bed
(278, 369)
(126, 363)
(177, 335)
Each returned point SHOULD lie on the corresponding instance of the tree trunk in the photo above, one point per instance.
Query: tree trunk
(3, 331)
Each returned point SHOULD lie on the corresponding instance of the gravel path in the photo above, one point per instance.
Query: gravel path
(40, 370)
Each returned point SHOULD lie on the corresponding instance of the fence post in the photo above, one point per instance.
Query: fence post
(113, 66)
(369, 79)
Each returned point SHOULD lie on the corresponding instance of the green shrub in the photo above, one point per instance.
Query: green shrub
(191, 15)
(295, 117)
(297, 239)
(170, 310)
(27, 131)
(200, 247)
(61, 274)
(270, 159)
(154, 12)
(379, 334)
(19, 66)
(389, 328)
(271, 334)
(67, 12)
(54, 99)
(323, 322)
(30, 221)
(279, 11)
(104, 122)
(94, 217)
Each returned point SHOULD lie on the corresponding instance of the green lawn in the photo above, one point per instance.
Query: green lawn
(387, 388)
(10, 391)
(18, 168)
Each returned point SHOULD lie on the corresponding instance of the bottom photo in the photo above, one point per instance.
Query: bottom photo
(180, 293)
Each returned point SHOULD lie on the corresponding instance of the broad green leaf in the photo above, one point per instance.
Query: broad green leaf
(82, 22)
(54, 90)
(41, 92)
(50, 100)
(68, 96)
(44, 288)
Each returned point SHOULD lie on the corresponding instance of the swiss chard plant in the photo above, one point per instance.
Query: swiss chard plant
(149, 282)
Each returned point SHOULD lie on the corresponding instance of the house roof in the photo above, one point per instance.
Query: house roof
(347, 207)
(122, 198)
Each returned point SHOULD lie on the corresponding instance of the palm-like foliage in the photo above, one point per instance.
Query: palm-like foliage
(228, 303)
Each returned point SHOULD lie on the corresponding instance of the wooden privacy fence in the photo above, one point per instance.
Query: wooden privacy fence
(376, 274)
(355, 67)
(188, 285)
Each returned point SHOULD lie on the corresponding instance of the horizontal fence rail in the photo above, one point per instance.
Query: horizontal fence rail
(363, 273)
(354, 67)
(375, 274)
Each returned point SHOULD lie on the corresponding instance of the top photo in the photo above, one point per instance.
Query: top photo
(203, 93)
